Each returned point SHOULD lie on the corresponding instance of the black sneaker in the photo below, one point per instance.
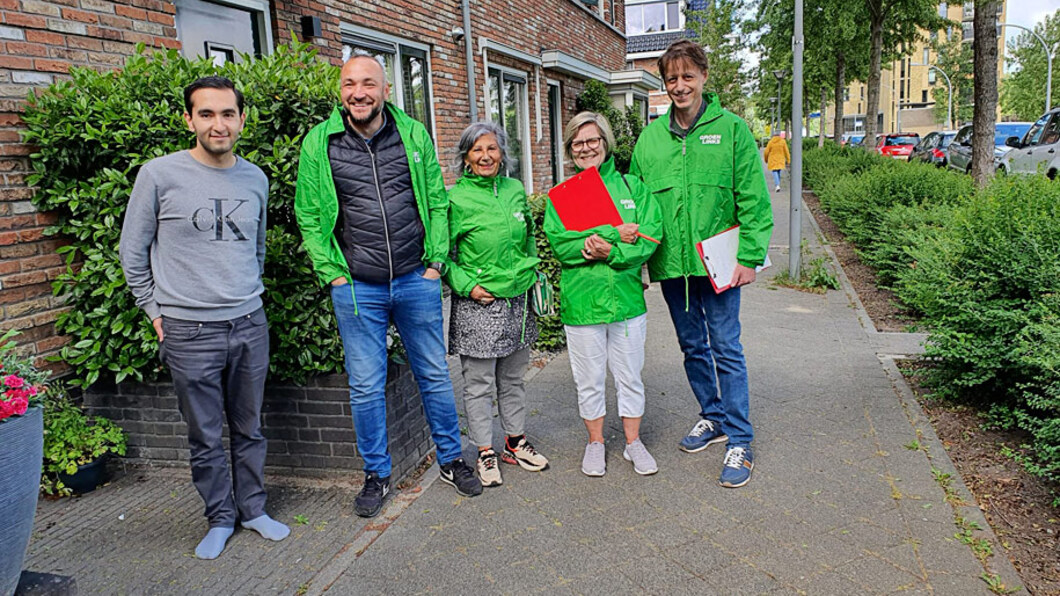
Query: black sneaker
(370, 501)
(462, 478)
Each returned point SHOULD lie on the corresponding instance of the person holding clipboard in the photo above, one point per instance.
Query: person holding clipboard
(702, 166)
(601, 296)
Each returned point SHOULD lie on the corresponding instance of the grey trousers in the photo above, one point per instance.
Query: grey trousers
(486, 377)
(218, 371)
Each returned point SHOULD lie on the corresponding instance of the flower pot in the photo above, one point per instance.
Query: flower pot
(21, 453)
(87, 477)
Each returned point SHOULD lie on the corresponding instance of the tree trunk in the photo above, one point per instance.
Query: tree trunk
(820, 117)
(877, 15)
(840, 86)
(985, 84)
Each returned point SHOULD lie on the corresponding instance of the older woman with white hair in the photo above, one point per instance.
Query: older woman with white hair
(601, 295)
(491, 271)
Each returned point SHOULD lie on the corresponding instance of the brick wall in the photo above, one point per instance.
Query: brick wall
(309, 429)
(39, 41)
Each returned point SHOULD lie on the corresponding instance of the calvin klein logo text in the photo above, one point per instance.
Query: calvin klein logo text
(220, 219)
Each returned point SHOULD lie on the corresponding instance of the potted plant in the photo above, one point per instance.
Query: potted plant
(21, 388)
(75, 445)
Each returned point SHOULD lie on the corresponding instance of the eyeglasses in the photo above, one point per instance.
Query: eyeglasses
(593, 143)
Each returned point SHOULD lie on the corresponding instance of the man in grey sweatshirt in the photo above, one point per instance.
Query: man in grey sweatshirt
(193, 251)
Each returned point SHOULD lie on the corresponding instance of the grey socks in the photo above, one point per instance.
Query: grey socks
(214, 542)
(267, 527)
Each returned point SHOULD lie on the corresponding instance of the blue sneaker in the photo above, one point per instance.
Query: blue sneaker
(736, 470)
(704, 434)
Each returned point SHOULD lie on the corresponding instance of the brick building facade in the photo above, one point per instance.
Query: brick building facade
(529, 61)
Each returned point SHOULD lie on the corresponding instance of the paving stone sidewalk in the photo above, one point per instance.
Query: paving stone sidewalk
(838, 503)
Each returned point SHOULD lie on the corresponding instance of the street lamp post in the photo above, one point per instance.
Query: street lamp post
(780, 74)
(949, 92)
(1050, 53)
(773, 115)
(795, 204)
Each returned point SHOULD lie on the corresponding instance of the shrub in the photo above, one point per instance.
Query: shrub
(96, 130)
(550, 329)
(72, 438)
(988, 284)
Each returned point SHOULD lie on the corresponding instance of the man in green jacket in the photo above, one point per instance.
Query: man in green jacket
(702, 166)
(372, 208)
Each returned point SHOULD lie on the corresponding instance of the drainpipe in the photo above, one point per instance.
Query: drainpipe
(469, 56)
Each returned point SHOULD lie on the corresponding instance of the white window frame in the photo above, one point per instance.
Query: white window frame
(558, 157)
(635, 3)
(397, 90)
(527, 158)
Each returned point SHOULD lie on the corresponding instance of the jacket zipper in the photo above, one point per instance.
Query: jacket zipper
(508, 223)
(382, 209)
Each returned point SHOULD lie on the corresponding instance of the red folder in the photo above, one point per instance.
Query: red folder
(582, 202)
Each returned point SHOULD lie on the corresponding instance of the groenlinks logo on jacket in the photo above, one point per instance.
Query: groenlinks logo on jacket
(220, 218)
(519, 215)
(628, 204)
(710, 139)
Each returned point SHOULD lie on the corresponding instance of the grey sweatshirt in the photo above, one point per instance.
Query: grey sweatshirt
(193, 242)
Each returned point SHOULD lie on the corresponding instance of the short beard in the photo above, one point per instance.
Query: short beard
(367, 119)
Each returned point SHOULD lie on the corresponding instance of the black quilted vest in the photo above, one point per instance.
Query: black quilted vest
(378, 228)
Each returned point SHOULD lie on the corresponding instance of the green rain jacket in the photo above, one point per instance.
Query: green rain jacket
(704, 183)
(597, 292)
(316, 204)
(492, 237)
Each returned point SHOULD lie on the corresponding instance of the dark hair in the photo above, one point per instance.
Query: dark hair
(212, 82)
(683, 50)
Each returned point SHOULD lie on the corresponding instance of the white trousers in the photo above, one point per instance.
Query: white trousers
(620, 345)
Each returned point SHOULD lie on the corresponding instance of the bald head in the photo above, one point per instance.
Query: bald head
(364, 91)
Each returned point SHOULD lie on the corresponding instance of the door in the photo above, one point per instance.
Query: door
(1022, 160)
(1044, 151)
(960, 149)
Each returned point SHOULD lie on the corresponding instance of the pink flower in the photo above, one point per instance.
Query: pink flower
(7, 409)
(14, 381)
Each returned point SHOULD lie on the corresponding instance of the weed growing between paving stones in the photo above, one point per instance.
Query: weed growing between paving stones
(993, 581)
(815, 277)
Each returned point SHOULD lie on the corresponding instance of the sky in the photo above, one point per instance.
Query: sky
(1028, 13)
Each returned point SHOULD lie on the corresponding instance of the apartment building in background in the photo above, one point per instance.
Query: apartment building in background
(907, 86)
(529, 62)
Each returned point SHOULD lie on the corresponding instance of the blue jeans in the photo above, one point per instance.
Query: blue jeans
(414, 303)
(776, 177)
(708, 329)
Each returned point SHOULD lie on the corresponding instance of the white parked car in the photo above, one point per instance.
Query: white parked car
(1037, 151)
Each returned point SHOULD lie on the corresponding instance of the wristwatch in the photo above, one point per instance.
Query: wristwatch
(437, 266)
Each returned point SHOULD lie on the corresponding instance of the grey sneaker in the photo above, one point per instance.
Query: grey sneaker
(593, 463)
(643, 462)
(488, 471)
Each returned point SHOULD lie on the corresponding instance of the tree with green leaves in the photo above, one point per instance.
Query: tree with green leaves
(893, 26)
(985, 48)
(626, 125)
(1023, 91)
(716, 28)
(955, 58)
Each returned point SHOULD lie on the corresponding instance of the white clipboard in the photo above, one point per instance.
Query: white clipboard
(718, 255)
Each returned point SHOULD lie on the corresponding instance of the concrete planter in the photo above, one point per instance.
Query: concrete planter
(21, 453)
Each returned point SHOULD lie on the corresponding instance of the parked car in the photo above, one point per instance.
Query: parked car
(1037, 151)
(959, 153)
(1004, 130)
(932, 148)
(851, 138)
(897, 144)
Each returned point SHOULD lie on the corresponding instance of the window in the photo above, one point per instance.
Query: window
(863, 92)
(555, 130)
(508, 108)
(846, 94)
(943, 8)
(923, 96)
(652, 17)
(1035, 132)
(967, 30)
(407, 69)
(221, 31)
(927, 57)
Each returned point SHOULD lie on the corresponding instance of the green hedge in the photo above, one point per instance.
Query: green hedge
(550, 329)
(980, 268)
(96, 130)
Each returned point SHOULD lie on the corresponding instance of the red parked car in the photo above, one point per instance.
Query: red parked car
(897, 145)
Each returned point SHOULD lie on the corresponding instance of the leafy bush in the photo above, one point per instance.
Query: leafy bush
(72, 438)
(550, 329)
(96, 130)
(989, 285)
(626, 125)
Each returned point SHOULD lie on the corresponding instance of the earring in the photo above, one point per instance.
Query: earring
(467, 168)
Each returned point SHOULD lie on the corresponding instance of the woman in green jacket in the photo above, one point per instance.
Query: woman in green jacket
(491, 269)
(601, 295)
